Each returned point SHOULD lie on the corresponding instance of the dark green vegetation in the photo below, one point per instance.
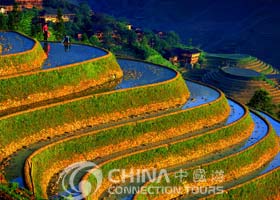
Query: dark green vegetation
(13, 192)
(22, 21)
(215, 26)
(117, 38)
(92, 141)
(262, 101)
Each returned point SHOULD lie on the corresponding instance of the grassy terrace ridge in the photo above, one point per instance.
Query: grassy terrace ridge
(26, 126)
(70, 147)
(229, 56)
(44, 84)
(150, 157)
(262, 187)
(21, 62)
(232, 163)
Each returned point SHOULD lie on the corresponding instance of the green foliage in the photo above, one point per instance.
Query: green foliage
(36, 29)
(197, 66)
(3, 22)
(261, 100)
(151, 47)
(59, 26)
(94, 40)
(202, 58)
(12, 191)
(156, 58)
(172, 38)
(14, 18)
(25, 23)
(270, 82)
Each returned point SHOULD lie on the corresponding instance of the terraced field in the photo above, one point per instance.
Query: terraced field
(19, 54)
(128, 114)
(241, 84)
(239, 60)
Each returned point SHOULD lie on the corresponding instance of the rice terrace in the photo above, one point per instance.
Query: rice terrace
(78, 121)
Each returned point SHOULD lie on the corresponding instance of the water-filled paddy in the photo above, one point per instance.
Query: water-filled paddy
(259, 132)
(200, 95)
(137, 73)
(276, 161)
(12, 42)
(247, 73)
(59, 55)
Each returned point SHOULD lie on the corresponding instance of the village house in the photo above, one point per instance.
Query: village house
(53, 17)
(30, 3)
(8, 5)
(182, 56)
(99, 35)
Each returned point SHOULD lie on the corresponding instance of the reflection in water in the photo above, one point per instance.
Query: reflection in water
(67, 46)
(47, 48)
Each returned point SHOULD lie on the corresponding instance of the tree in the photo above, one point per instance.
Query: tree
(14, 17)
(60, 28)
(36, 26)
(94, 40)
(160, 45)
(3, 22)
(261, 100)
(172, 38)
(25, 23)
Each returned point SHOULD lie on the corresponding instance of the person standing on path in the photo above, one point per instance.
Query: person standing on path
(46, 31)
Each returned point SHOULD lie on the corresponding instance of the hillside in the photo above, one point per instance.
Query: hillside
(217, 26)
